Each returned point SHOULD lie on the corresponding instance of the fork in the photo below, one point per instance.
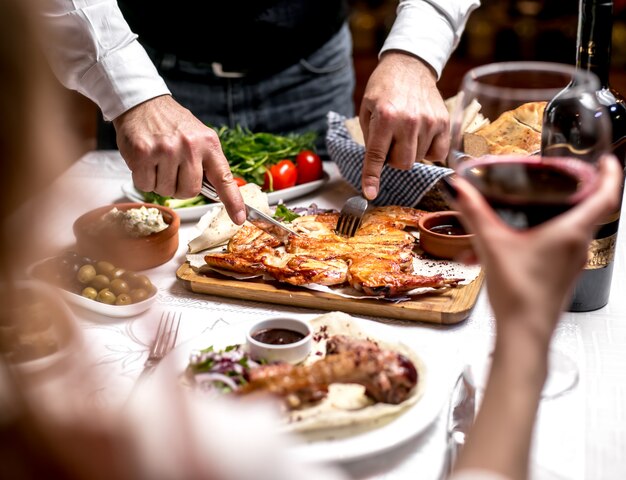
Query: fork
(163, 342)
(209, 191)
(351, 215)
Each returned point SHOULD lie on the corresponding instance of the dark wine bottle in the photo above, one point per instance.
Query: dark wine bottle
(595, 26)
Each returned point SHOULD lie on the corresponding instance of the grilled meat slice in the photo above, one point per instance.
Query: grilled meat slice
(250, 238)
(310, 224)
(387, 376)
(393, 216)
(237, 262)
(387, 277)
(304, 269)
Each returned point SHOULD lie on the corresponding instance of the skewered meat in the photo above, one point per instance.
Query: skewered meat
(387, 376)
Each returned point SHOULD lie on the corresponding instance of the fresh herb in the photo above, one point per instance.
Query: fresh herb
(251, 154)
(283, 214)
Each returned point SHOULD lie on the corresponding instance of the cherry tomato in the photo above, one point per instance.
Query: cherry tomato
(240, 181)
(280, 176)
(309, 166)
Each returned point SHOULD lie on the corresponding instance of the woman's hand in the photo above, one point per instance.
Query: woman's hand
(531, 273)
(530, 276)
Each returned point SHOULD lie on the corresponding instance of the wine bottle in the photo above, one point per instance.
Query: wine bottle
(595, 25)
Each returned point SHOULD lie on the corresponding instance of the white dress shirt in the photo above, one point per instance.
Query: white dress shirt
(429, 29)
(94, 51)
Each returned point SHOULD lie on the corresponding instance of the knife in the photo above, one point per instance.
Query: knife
(254, 216)
(460, 417)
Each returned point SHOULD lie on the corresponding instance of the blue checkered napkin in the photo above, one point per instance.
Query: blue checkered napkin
(397, 187)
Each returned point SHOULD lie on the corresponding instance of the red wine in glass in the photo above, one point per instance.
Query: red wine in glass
(526, 191)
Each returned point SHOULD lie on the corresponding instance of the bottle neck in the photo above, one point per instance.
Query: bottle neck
(593, 43)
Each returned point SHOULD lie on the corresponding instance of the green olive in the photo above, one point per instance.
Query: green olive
(86, 274)
(119, 286)
(123, 299)
(90, 293)
(105, 268)
(106, 296)
(129, 276)
(138, 294)
(141, 281)
(118, 273)
(100, 281)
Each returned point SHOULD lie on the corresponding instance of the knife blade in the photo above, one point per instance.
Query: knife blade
(268, 224)
(254, 216)
(460, 416)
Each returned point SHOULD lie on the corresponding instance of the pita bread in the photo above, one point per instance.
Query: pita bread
(217, 228)
(515, 131)
(346, 405)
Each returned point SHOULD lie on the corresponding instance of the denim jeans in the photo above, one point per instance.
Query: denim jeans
(296, 99)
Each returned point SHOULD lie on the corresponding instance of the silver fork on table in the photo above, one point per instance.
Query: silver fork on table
(163, 342)
(351, 215)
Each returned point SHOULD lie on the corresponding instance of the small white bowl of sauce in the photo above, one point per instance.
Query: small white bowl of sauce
(280, 340)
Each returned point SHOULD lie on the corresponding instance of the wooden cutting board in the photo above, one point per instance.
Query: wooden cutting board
(448, 306)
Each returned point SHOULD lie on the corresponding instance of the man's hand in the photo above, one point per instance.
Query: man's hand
(403, 118)
(169, 150)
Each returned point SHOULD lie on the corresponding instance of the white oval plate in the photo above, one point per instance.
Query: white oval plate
(194, 213)
(402, 428)
(118, 311)
(109, 310)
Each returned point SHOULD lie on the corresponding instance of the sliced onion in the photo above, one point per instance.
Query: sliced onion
(212, 377)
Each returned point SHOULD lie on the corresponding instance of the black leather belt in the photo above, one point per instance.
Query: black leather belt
(169, 62)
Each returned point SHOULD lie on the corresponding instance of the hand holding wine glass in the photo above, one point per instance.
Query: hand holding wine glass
(536, 158)
(529, 275)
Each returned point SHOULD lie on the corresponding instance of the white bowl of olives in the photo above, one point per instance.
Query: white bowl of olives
(97, 285)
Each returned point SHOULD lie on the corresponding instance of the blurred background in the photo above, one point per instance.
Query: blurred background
(499, 30)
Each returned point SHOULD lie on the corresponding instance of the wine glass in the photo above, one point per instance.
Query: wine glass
(528, 137)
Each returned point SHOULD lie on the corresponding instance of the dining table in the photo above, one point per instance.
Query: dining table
(578, 435)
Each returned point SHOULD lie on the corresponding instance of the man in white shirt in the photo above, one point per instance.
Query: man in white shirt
(168, 148)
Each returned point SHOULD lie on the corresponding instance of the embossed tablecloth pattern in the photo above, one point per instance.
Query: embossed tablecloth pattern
(580, 435)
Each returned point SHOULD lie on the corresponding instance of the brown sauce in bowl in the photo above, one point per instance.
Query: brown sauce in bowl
(449, 229)
(277, 336)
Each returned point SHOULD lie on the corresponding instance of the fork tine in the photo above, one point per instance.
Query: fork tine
(351, 216)
(169, 334)
(340, 222)
(354, 226)
(159, 334)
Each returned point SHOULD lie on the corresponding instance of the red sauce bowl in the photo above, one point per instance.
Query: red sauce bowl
(123, 250)
(442, 235)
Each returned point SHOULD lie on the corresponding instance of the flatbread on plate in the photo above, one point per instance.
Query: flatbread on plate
(346, 405)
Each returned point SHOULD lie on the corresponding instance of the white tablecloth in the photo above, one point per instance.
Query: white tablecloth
(579, 435)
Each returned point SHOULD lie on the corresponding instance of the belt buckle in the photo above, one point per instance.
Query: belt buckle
(219, 71)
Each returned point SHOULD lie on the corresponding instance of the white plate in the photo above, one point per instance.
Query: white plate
(118, 311)
(109, 310)
(194, 213)
(66, 333)
(349, 447)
